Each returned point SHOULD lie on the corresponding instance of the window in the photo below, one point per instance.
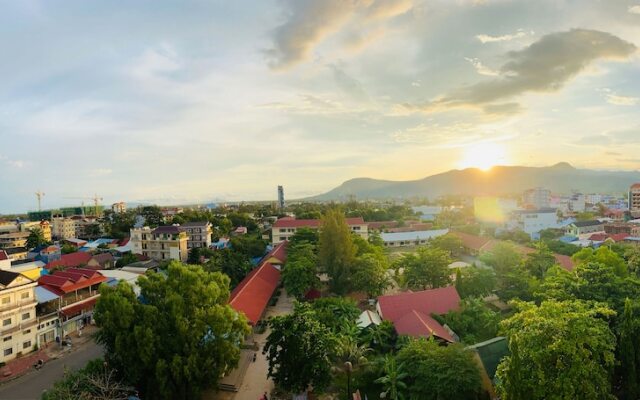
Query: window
(6, 322)
(6, 339)
(28, 331)
(26, 316)
(24, 295)
(8, 352)
(26, 344)
(5, 300)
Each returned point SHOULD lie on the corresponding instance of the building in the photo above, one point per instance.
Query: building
(199, 234)
(15, 239)
(63, 228)
(577, 202)
(119, 208)
(583, 227)
(280, 197)
(405, 239)
(286, 227)
(634, 200)
(71, 260)
(536, 198)
(17, 315)
(533, 221)
(620, 227)
(86, 227)
(162, 243)
(101, 261)
(411, 312)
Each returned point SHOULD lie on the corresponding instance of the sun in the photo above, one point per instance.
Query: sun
(483, 156)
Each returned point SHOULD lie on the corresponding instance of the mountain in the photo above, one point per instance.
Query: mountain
(559, 178)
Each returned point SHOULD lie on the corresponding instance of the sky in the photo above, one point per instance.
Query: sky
(174, 102)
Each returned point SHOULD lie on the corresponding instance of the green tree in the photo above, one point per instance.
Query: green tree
(427, 268)
(437, 372)
(68, 249)
(602, 255)
(299, 276)
(179, 339)
(336, 252)
(503, 257)
(250, 245)
(235, 265)
(448, 242)
(629, 350)
(370, 274)
(559, 350)
(339, 314)
(299, 350)
(538, 262)
(36, 238)
(381, 338)
(126, 259)
(152, 215)
(475, 282)
(393, 379)
(304, 234)
(474, 322)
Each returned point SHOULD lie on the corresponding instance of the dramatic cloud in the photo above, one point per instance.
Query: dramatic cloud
(502, 38)
(544, 66)
(309, 22)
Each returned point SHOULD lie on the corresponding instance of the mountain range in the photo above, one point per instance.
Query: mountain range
(560, 178)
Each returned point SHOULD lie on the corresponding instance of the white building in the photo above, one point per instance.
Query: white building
(533, 221)
(417, 238)
(286, 227)
(17, 315)
(537, 198)
(199, 234)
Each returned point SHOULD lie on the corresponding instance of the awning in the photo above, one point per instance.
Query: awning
(44, 295)
(78, 308)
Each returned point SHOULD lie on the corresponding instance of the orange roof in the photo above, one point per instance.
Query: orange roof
(70, 260)
(253, 293)
(419, 324)
(472, 242)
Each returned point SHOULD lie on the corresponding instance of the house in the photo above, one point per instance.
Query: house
(63, 228)
(411, 312)
(162, 243)
(368, 318)
(77, 243)
(77, 293)
(533, 221)
(101, 261)
(583, 227)
(5, 262)
(30, 269)
(14, 239)
(141, 267)
(618, 227)
(239, 231)
(536, 198)
(286, 227)
(17, 315)
(17, 253)
(404, 239)
(252, 294)
(71, 260)
(199, 234)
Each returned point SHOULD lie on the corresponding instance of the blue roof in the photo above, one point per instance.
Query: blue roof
(416, 235)
(633, 238)
(568, 238)
(44, 295)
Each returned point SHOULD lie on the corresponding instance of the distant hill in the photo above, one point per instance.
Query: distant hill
(559, 178)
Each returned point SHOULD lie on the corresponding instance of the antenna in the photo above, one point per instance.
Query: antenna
(39, 195)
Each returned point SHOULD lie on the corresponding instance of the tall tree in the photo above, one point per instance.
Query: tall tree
(559, 350)
(235, 265)
(300, 276)
(370, 274)
(336, 252)
(35, 238)
(540, 261)
(475, 282)
(605, 256)
(298, 350)
(427, 268)
(504, 257)
(450, 243)
(179, 338)
(629, 351)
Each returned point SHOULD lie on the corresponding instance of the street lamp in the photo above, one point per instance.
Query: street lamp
(348, 367)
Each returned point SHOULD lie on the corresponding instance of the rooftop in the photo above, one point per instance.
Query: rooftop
(416, 235)
(167, 230)
(290, 222)
(582, 224)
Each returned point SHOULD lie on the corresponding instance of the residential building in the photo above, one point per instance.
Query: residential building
(536, 198)
(280, 197)
(71, 260)
(411, 312)
(17, 253)
(161, 243)
(286, 227)
(101, 261)
(620, 227)
(634, 200)
(577, 202)
(119, 208)
(584, 227)
(15, 239)
(63, 228)
(77, 292)
(533, 221)
(199, 234)
(17, 315)
(86, 227)
(406, 239)
(170, 212)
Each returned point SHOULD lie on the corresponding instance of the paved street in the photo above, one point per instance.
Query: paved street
(31, 385)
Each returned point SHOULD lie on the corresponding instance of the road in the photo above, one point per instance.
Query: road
(31, 385)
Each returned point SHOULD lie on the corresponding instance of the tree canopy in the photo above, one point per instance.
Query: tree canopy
(426, 268)
(336, 251)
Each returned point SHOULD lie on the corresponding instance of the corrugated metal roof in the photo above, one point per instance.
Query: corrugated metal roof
(44, 295)
(416, 235)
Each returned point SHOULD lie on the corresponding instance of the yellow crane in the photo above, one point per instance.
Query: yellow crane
(96, 202)
(39, 195)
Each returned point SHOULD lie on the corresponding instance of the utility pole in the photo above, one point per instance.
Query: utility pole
(39, 195)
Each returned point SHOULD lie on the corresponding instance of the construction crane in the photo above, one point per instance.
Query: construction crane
(39, 195)
(96, 201)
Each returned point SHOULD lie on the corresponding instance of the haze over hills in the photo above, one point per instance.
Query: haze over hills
(559, 178)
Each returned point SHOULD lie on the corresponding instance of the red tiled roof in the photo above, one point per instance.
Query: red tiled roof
(77, 308)
(472, 242)
(598, 237)
(619, 237)
(419, 324)
(70, 260)
(375, 225)
(3, 255)
(253, 293)
(289, 222)
(71, 279)
(279, 252)
(433, 301)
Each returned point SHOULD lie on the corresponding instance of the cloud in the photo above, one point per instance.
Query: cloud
(17, 164)
(502, 38)
(544, 66)
(100, 172)
(621, 100)
(481, 68)
(447, 135)
(309, 22)
(347, 83)
(634, 9)
(622, 137)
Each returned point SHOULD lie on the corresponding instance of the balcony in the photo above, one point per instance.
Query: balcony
(18, 327)
(22, 303)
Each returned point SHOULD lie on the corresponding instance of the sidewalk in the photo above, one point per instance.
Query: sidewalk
(23, 365)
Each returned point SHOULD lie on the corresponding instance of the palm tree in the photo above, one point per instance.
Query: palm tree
(349, 350)
(392, 381)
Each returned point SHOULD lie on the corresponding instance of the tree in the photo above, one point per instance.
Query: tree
(299, 276)
(179, 339)
(126, 259)
(427, 268)
(298, 350)
(370, 274)
(304, 234)
(339, 314)
(437, 372)
(251, 245)
(503, 257)
(602, 255)
(152, 215)
(381, 338)
(95, 381)
(36, 238)
(68, 249)
(235, 265)
(559, 350)
(540, 261)
(336, 252)
(475, 282)
(393, 379)
(474, 322)
(629, 350)
(448, 242)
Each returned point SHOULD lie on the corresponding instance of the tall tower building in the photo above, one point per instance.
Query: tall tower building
(280, 197)
(634, 200)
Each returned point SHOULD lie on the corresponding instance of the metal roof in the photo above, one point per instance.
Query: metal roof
(416, 235)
